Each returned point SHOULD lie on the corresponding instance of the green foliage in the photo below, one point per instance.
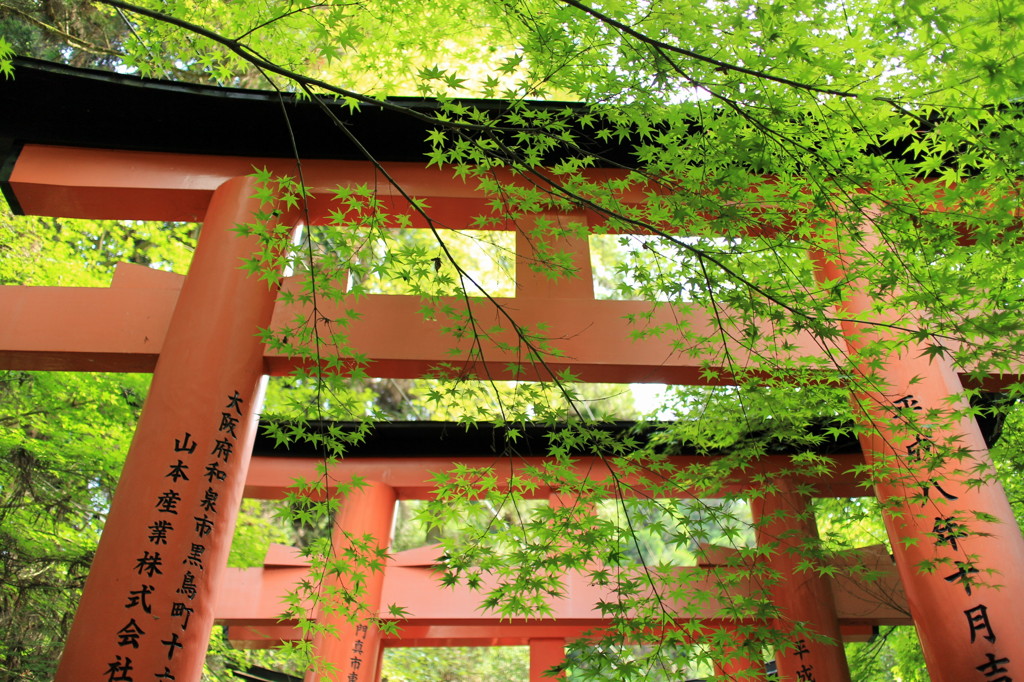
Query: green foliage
(478, 664)
(894, 655)
(771, 138)
(6, 52)
(1008, 454)
(62, 442)
(223, 660)
(255, 530)
(75, 31)
(63, 438)
(45, 251)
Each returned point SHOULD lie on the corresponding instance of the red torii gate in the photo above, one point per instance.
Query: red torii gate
(249, 604)
(249, 600)
(148, 603)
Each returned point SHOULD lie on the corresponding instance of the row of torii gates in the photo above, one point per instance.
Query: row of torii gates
(249, 600)
(159, 582)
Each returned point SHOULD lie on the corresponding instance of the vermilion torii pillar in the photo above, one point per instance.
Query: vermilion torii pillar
(347, 649)
(785, 522)
(958, 550)
(545, 654)
(147, 608)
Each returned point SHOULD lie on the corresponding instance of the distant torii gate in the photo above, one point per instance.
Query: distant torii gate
(149, 600)
(249, 600)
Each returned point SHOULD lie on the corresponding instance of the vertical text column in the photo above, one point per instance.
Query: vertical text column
(958, 550)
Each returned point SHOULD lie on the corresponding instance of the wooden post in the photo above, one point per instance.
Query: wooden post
(147, 608)
(537, 276)
(546, 653)
(350, 650)
(785, 520)
(958, 549)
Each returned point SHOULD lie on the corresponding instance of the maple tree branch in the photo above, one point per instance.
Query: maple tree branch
(73, 40)
(718, 63)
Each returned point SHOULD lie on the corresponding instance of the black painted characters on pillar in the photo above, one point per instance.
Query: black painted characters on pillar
(137, 598)
(994, 666)
(188, 585)
(130, 634)
(186, 444)
(806, 674)
(977, 620)
(158, 532)
(177, 472)
(167, 502)
(948, 529)
(227, 423)
(964, 575)
(183, 611)
(213, 471)
(356, 662)
(204, 525)
(195, 556)
(118, 670)
(806, 671)
(172, 645)
(209, 501)
(235, 403)
(149, 564)
(161, 533)
(952, 531)
(223, 449)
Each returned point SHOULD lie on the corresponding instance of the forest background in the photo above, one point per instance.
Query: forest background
(817, 96)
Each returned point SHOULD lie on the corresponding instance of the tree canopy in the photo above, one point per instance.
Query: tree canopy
(886, 135)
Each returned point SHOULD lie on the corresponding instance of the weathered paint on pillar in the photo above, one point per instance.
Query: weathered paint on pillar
(147, 608)
(545, 654)
(785, 521)
(970, 630)
(351, 651)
